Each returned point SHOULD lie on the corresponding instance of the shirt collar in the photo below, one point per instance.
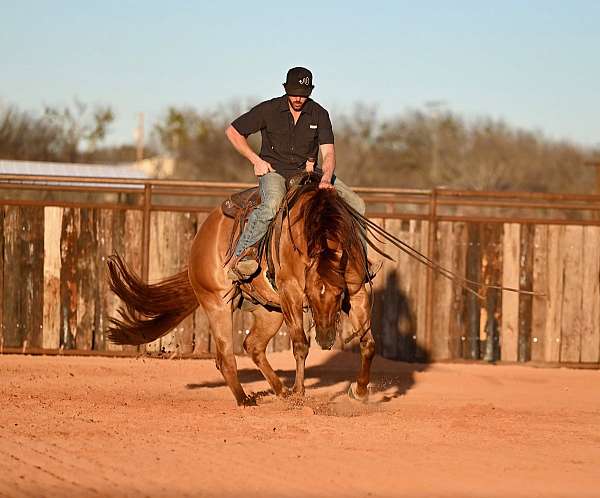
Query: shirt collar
(283, 104)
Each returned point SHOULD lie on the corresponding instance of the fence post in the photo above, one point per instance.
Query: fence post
(431, 241)
(146, 231)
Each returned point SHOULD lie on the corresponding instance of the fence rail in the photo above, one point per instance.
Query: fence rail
(56, 232)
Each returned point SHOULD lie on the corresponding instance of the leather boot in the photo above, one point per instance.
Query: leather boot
(245, 266)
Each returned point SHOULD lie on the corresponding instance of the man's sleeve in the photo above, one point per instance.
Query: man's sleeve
(325, 129)
(251, 122)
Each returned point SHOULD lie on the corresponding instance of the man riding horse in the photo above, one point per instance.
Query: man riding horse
(318, 261)
(294, 128)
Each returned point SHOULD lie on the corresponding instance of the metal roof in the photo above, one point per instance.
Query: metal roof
(40, 168)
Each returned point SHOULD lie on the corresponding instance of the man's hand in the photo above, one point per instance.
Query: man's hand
(241, 145)
(262, 167)
(310, 166)
(325, 184)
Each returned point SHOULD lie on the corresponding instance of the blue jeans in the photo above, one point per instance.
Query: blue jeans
(272, 191)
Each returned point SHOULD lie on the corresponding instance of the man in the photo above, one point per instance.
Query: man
(294, 128)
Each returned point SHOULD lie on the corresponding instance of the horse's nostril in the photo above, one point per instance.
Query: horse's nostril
(326, 339)
(326, 345)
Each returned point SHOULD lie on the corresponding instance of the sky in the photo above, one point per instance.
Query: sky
(534, 64)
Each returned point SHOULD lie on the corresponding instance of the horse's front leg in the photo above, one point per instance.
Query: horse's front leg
(291, 302)
(300, 345)
(360, 317)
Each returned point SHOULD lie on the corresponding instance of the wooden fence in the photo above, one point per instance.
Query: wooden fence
(54, 295)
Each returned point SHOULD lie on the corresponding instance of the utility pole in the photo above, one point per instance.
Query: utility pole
(139, 138)
(434, 107)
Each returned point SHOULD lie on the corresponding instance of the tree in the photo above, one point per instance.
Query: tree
(396, 151)
(56, 135)
(197, 141)
(77, 126)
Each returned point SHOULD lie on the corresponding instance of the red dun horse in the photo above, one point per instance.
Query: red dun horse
(319, 263)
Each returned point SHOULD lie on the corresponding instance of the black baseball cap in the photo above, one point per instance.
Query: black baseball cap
(298, 82)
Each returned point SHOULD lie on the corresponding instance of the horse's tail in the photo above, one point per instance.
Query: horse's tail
(149, 310)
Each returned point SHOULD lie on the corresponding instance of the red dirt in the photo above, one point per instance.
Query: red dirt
(73, 426)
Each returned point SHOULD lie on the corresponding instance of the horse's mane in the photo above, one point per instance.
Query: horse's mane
(328, 227)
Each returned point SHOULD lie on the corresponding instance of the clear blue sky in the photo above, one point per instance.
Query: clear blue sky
(535, 64)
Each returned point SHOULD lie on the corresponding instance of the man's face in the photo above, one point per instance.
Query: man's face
(296, 102)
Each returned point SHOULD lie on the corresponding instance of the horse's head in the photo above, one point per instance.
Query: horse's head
(325, 297)
(332, 246)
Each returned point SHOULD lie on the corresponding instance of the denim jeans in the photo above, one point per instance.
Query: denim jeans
(272, 191)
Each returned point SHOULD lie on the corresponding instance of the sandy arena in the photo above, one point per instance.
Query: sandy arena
(112, 427)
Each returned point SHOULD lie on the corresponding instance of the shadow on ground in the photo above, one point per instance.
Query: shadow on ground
(390, 379)
(393, 371)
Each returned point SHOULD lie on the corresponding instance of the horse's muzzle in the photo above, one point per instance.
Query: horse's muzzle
(325, 337)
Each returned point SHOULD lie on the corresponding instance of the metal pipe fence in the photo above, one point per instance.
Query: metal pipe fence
(510, 236)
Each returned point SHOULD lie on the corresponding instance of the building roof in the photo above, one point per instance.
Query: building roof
(40, 168)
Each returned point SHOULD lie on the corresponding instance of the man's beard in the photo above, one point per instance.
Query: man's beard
(297, 106)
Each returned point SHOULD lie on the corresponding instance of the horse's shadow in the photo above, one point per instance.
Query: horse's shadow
(390, 379)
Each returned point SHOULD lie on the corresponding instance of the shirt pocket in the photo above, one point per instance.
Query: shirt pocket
(279, 141)
(310, 145)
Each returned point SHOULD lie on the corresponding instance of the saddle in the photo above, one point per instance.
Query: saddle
(239, 207)
(242, 202)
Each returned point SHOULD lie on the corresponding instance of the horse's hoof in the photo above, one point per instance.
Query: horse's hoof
(353, 394)
(248, 401)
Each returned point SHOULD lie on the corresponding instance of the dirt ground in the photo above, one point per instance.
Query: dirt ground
(108, 427)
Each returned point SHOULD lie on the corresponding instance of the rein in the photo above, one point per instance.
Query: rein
(374, 230)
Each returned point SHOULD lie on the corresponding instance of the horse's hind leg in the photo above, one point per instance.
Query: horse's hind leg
(266, 325)
(220, 318)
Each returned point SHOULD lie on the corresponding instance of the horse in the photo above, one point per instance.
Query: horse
(319, 261)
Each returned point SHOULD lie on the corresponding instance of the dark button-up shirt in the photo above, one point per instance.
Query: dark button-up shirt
(286, 146)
